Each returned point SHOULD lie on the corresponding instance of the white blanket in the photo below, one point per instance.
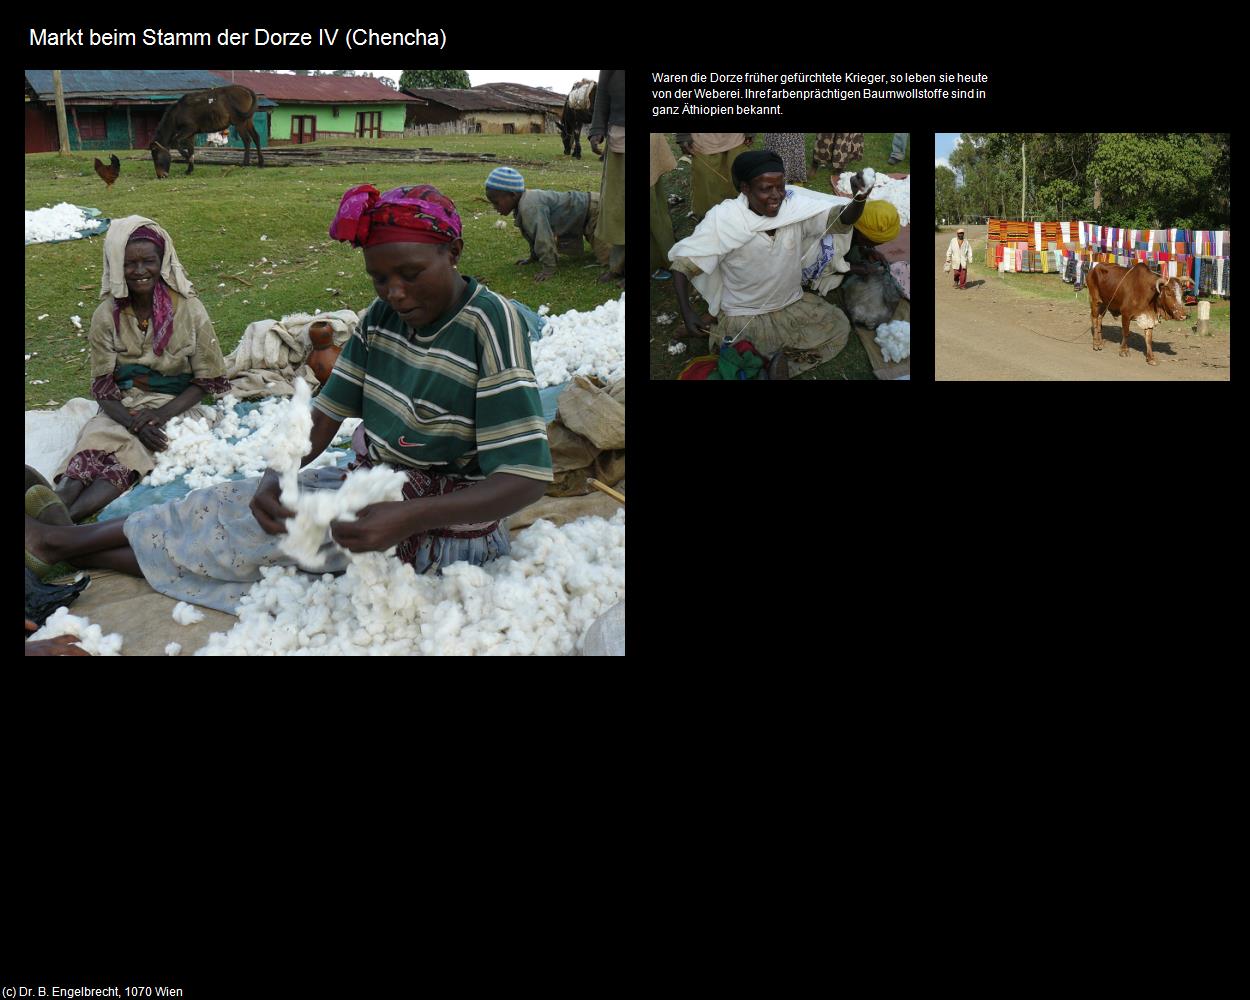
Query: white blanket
(50, 435)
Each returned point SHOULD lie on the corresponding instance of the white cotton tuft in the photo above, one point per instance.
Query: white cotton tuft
(894, 339)
(287, 448)
(315, 509)
(676, 348)
(187, 614)
(501, 224)
(885, 188)
(90, 637)
(173, 649)
(870, 176)
(582, 343)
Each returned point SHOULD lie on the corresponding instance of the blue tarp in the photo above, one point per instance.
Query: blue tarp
(536, 324)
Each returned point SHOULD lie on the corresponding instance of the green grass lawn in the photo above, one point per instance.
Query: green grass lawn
(1053, 288)
(853, 362)
(218, 215)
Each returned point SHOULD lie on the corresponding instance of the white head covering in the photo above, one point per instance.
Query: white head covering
(113, 280)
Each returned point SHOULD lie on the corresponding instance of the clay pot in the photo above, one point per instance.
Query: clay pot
(324, 353)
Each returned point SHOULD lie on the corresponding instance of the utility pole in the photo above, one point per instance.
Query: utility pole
(1023, 176)
(61, 128)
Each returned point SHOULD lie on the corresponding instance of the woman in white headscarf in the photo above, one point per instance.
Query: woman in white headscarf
(154, 355)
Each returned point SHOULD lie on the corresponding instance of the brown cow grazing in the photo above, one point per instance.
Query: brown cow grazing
(1135, 295)
(205, 111)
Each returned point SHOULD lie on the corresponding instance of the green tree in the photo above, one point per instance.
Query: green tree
(416, 79)
(945, 196)
(1155, 180)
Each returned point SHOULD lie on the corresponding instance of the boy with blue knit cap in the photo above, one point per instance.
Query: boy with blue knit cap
(545, 218)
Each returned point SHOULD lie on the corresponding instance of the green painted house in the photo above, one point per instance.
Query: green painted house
(327, 107)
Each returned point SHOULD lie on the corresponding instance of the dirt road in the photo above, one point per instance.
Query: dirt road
(987, 332)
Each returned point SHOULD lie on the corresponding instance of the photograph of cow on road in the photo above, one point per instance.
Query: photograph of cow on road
(1049, 246)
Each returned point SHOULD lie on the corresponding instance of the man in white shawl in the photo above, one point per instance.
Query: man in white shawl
(751, 255)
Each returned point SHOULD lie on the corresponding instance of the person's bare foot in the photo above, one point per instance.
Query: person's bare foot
(37, 542)
(607, 276)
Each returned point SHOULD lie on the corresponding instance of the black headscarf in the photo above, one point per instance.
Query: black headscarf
(750, 165)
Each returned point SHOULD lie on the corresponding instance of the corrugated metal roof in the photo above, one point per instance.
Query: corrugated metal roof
(493, 97)
(535, 95)
(155, 84)
(121, 82)
(317, 89)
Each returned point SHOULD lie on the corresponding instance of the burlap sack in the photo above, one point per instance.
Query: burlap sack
(591, 412)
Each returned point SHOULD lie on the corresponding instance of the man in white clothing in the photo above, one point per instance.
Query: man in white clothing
(959, 254)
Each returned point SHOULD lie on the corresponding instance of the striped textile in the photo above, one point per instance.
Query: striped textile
(457, 397)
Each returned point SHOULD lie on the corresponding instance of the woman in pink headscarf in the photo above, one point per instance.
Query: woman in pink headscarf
(439, 369)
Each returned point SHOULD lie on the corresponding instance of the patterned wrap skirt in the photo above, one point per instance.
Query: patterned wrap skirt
(837, 149)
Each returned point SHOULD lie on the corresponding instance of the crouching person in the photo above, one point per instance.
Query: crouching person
(545, 218)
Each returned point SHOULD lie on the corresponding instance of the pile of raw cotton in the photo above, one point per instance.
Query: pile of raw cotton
(224, 445)
(540, 600)
(90, 637)
(62, 222)
(896, 192)
(582, 343)
(894, 339)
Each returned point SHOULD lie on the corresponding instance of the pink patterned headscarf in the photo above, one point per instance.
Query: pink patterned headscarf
(420, 214)
(162, 305)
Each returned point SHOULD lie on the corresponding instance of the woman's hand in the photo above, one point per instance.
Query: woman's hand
(376, 528)
(267, 508)
(688, 148)
(699, 326)
(60, 645)
(145, 418)
(594, 145)
(151, 436)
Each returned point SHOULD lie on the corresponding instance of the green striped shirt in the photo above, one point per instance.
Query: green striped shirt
(457, 397)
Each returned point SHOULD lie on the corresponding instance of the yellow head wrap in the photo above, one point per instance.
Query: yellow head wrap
(879, 222)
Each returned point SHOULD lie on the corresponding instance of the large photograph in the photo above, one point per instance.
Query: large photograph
(324, 362)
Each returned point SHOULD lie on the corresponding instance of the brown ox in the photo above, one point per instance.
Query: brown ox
(1135, 295)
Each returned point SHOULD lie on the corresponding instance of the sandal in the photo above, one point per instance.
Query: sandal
(37, 565)
(44, 505)
(35, 478)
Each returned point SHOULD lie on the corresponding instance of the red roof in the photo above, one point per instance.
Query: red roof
(317, 89)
